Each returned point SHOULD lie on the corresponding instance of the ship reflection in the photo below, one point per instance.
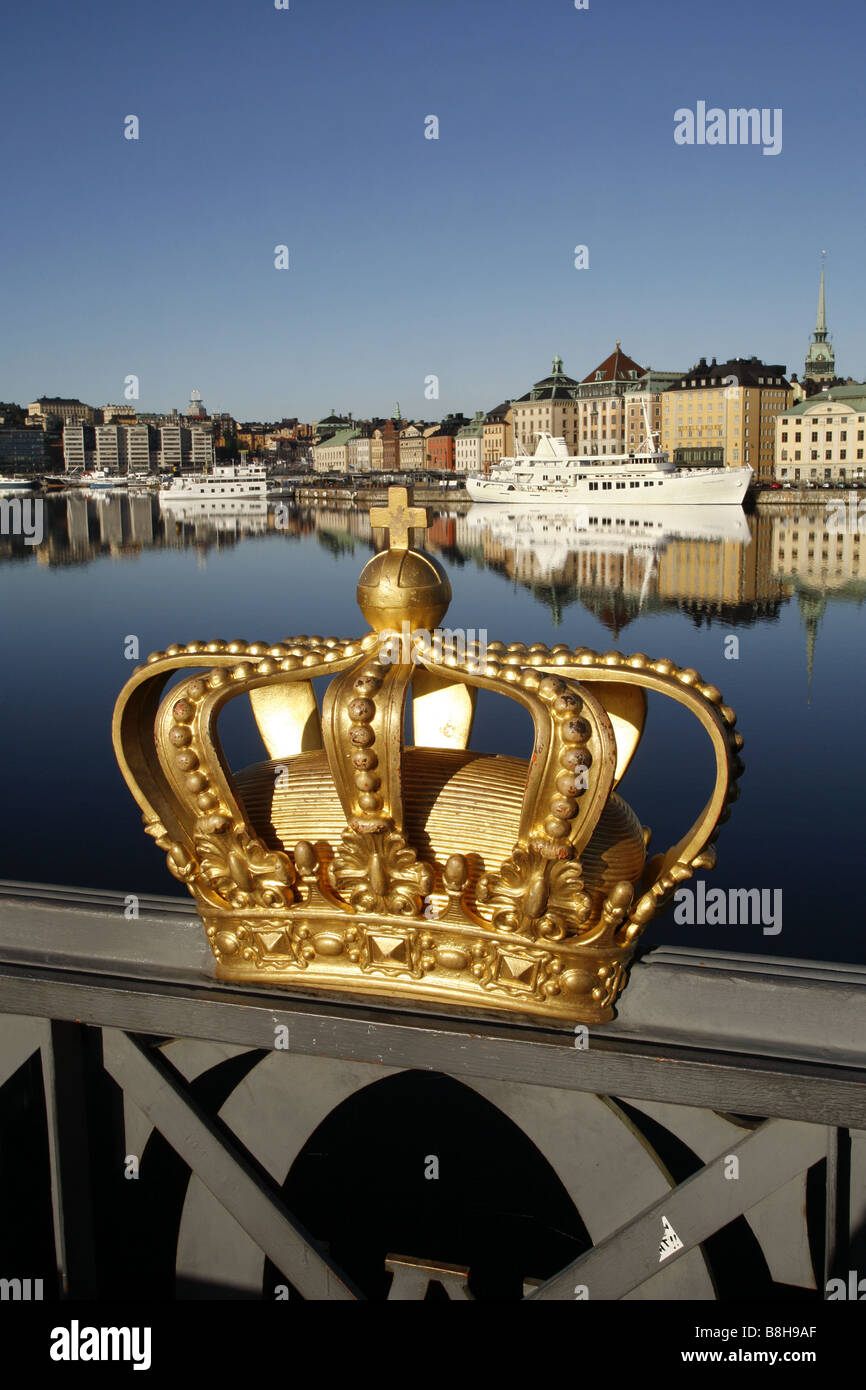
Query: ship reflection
(620, 562)
(709, 563)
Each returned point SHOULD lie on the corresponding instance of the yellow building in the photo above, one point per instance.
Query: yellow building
(377, 451)
(725, 413)
(498, 439)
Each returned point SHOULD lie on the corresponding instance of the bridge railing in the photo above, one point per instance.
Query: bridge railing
(773, 1048)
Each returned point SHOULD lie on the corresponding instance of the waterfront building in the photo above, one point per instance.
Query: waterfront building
(601, 417)
(385, 445)
(822, 438)
(139, 448)
(725, 413)
(22, 450)
(377, 450)
(647, 392)
(201, 448)
(332, 455)
(413, 448)
(820, 358)
(330, 425)
(498, 441)
(77, 445)
(53, 411)
(469, 446)
(440, 443)
(174, 448)
(548, 406)
(359, 452)
(110, 448)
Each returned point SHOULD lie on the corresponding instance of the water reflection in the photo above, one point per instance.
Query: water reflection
(711, 563)
(673, 581)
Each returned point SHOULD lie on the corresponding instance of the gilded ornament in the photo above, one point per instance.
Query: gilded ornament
(351, 860)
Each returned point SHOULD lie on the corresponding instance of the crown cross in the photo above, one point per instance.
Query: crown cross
(399, 517)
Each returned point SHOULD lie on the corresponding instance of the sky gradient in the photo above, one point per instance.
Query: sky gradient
(409, 256)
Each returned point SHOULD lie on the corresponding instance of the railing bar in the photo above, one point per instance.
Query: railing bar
(769, 1157)
(222, 1166)
(719, 1081)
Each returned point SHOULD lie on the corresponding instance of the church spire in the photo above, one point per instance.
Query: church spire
(820, 358)
(821, 325)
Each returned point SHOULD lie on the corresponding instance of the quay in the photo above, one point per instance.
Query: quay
(308, 495)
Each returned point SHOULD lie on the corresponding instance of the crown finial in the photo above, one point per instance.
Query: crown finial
(399, 517)
(400, 585)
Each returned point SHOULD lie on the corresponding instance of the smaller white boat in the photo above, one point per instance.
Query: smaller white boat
(225, 481)
(8, 484)
(100, 478)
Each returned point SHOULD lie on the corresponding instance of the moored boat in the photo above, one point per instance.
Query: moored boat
(226, 480)
(646, 476)
(100, 478)
(17, 484)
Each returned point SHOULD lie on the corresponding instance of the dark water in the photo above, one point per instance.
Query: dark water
(681, 586)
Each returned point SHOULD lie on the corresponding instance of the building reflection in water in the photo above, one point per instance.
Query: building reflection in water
(713, 564)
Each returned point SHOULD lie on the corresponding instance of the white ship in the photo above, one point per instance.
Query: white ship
(645, 477)
(226, 480)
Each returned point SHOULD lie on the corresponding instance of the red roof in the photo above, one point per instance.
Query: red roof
(615, 368)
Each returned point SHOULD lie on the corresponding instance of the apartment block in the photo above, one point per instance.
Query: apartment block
(111, 448)
(725, 413)
(201, 449)
(77, 446)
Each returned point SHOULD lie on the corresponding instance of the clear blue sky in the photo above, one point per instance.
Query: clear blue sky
(412, 256)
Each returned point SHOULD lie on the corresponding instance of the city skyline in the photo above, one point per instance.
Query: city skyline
(134, 407)
(410, 256)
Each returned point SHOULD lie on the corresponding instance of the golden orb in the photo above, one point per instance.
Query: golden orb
(399, 586)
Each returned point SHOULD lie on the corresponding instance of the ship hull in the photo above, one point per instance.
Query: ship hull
(680, 487)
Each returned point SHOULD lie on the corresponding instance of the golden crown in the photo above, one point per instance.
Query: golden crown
(352, 861)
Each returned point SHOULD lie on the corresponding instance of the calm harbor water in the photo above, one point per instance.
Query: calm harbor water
(114, 567)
